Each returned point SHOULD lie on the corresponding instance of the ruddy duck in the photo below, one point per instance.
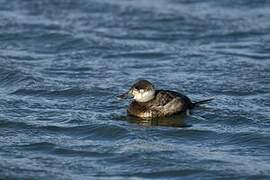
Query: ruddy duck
(151, 103)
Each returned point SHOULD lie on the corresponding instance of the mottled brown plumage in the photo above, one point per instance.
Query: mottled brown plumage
(151, 103)
(165, 103)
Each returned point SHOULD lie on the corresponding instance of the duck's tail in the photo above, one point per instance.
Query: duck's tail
(202, 102)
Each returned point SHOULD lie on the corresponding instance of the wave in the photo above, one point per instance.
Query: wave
(11, 78)
(70, 92)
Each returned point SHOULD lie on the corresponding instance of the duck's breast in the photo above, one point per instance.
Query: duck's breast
(142, 110)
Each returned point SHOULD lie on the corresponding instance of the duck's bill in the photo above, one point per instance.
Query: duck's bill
(123, 96)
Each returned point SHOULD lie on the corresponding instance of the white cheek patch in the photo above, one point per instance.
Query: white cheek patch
(145, 96)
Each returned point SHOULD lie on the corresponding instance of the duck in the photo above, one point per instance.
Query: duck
(149, 102)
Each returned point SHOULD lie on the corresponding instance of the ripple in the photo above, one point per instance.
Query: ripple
(80, 153)
(14, 78)
(15, 125)
(191, 134)
(170, 173)
(139, 55)
(246, 139)
(248, 55)
(70, 92)
(107, 132)
(42, 146)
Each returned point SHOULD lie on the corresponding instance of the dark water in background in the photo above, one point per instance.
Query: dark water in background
(62, 62)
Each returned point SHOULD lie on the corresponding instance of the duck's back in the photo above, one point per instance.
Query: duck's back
(165, 103)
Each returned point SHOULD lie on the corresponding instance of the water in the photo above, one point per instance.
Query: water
(62, 63)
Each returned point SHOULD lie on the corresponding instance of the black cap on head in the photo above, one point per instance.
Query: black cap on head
(143, 84)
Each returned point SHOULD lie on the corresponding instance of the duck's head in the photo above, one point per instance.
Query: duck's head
(142, 91)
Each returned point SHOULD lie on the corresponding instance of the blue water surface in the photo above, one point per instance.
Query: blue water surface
(63, 62)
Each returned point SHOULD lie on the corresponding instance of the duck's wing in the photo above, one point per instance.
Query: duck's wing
(172, 102)
(163, 97)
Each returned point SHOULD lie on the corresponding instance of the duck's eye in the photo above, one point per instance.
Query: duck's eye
(141, 90)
